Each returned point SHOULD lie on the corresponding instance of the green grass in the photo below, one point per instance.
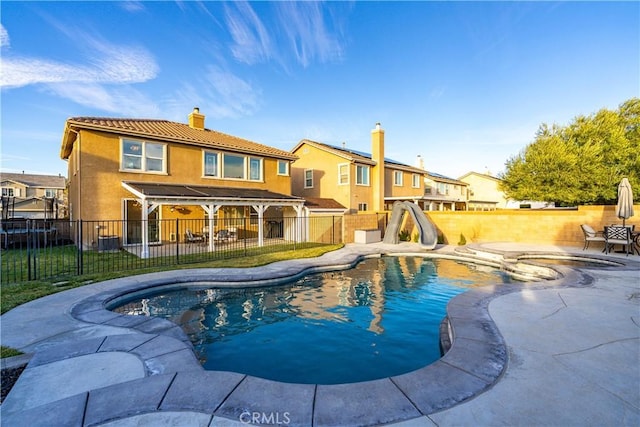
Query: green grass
(17, 293)
(20, 292)
(9, 352)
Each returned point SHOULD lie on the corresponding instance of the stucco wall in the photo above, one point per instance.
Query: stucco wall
(553, 227)
(544, 227)
(99, 191)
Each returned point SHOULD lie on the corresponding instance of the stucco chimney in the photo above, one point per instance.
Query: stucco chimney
(196, 120)
(377, 171)
(419, 162)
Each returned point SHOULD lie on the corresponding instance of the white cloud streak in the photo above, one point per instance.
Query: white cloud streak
(308, 33)
(132, 6)
(106, 63)
(219, 93)
(251, 41)
(121, 100)
(305, 33)
(4, 37)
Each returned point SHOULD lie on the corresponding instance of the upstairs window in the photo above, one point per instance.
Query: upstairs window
(143, 156)
(283, 167)
(343, 173)
(308, 178)
(255, 169)
(8, 192)
(49, 192)
(415, 180)
(233, 166)
(397, 178)
(211, 163)
(362, 175)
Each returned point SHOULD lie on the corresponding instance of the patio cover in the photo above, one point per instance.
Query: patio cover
(151, 195)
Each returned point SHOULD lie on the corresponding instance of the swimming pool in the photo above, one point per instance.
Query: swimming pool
(376, 320)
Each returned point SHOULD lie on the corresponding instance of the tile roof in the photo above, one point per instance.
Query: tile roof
(322, 203)
(33, 180)
(165, 130)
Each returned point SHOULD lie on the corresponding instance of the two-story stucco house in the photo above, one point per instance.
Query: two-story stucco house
(485, 194)
(32, 196)
(357, 180)
(142, 171)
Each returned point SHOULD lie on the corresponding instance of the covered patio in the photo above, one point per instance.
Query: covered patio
(153, 196)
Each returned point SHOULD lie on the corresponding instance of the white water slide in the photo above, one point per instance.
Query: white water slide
(426, 229)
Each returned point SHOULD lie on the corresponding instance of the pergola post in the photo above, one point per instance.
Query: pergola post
(299, 226)
(260, 209)
(145, 229)
(211, 210)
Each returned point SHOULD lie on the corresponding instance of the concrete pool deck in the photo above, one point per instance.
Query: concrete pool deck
(557, 352)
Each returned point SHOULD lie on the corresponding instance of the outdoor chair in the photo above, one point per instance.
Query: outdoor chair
(590, 235)
(221, 236)
(618, 235)
(189, 237)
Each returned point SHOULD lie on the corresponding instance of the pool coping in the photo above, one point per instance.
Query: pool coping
(175, 381)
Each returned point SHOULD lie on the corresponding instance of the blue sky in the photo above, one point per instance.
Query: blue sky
(464, 85)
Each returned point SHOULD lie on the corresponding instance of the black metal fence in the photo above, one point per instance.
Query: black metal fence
(42, 249)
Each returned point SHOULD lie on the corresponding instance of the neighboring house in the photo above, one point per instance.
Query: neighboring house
(442, 193)
(356, 180)
(485, 194)
(33, 196)
(152, 170)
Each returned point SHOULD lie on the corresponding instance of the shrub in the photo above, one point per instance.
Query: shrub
(462, 240)
(404, 236)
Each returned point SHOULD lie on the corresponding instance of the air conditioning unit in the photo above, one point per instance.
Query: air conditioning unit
(172, 237)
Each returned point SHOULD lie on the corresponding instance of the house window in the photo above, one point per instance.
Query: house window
(143, 156)
(7, 192)
(397, 178)
(343, 173)
(308, 178)
(363, 207)
(283, 167)
(415, 180)
(362, 175)
(255, 169)
(233, 166)
(49, 192)
(210, 163)
(443, 189)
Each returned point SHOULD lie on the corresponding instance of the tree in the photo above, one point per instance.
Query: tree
(581, 163)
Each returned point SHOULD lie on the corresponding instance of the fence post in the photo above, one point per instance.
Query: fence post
(177, 241)
(245, 236)
(28, 223)
(79, 260)
(333, 229)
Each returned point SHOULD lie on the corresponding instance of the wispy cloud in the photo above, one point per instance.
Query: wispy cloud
(309, 34)
(121, 100)
(104, 63)
(220, 93)
(132, 6)
(251, 41)
(304, 31)
(4, 36)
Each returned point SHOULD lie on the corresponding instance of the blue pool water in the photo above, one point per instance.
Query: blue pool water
(376, 320)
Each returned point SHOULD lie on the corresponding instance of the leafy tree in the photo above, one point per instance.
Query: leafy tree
(581, 163)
